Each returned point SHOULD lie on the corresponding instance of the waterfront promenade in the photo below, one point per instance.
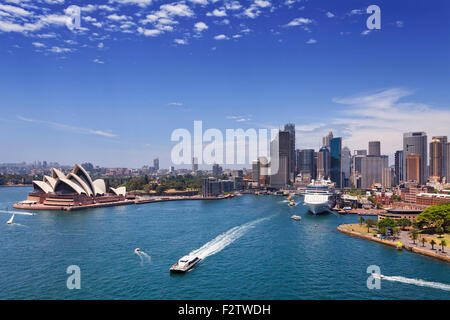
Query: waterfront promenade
(407, 243)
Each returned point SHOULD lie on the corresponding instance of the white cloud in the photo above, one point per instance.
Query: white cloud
(399, 24)
(177, 9)
(233, 5)
(180, 41)
(299, 22)
(202, 2)
(218, 13)
(98, 61)
(330, 15)
(116, 17)
(56, 49)
(383, 116)
(38, 44)
(311, 41)
(365, 32)
(141, 3)
(101, 45)
(149, 32)
(14, 10)
(200, 26)
(221, 37)
(178, 104)
(262, 3)
(65, 127)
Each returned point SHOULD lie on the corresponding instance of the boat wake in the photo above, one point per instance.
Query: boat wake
(144, 257)
(417, 282)
(223, 240)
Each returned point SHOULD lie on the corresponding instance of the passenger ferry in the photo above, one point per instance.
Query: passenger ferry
(320, 196)
(186, 263)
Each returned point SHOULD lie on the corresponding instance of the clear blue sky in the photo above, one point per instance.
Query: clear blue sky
(113, 92)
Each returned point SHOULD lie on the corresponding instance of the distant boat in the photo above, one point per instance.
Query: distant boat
(10, 221)
(294, 217)
(292, 203)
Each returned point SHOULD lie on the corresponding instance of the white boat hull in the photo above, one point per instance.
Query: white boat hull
(317, 208)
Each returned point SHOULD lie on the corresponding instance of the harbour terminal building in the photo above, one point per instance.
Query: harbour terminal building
(74, 190)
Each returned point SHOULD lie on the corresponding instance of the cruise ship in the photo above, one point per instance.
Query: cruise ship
(319, 196)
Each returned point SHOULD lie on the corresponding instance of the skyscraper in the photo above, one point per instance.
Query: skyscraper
(335, 161)
(443, 145)
(346, 165)
(256, 173)
(398, 167)
(414, 167)
(194, 164)
(372, 170)
(307, 163)
(290, 127)
(323, 163)
(415, 143)
(327, 139)
(437, 158)
(387, 177)
(374, 148)
(279, 177)
(156, 164)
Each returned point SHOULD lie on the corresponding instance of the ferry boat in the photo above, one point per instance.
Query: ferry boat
(320, 196)
(186, 263)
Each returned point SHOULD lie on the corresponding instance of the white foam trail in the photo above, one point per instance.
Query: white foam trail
(224, 239)
(18, 212)
(417, 282)
(143, 255)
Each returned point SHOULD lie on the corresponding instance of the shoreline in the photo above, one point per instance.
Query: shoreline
(16, 185)
(341, 228)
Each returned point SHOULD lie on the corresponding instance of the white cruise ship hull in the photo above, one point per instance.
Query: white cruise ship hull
(318, 203)
(317, 208)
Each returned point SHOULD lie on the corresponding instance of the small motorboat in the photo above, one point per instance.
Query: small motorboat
(292, 203)
(10, 221)
(137, 251)
(186, 263)
(294, 217)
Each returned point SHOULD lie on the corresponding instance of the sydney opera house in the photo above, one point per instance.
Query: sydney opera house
(71, 191)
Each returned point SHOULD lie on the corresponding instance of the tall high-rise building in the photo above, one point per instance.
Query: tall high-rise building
(327, 140)
(372, 170)
(307, 163)
(437, 158)
(279, 173)
(414, 167)
(256, 173)
(374, 148)
(194, 164)
(216, 169)
(398, 167)
(336, 161)
(156, 164)
(448, 161)
(323, 163)
(415, 143)
(346, 166)
(290, 127)
(387, 178)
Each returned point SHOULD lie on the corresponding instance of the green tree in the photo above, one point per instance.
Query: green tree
(360, 220)
(370, 223)
(443, 244)
(423, 241)
(432, 242)
(414, 235)
(432, 216)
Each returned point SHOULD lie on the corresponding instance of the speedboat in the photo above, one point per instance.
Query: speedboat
(292, 203)
(294, 217)
(137, 251)
(186, 263)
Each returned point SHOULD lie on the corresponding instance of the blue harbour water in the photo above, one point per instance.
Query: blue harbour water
(266, 256)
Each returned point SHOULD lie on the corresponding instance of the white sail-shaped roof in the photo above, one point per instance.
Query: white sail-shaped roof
(57, 173)
(43, 186)
(73, 177)
(51, 181)
(68, 183)
(121, 191)
(79, 171)
(100, 187)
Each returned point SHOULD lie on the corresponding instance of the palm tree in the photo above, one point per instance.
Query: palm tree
(360, 220)
(432, 242)
(443, 244)
(424, 241)
(414, 236)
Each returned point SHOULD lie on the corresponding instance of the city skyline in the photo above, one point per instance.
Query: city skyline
(117, 96)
